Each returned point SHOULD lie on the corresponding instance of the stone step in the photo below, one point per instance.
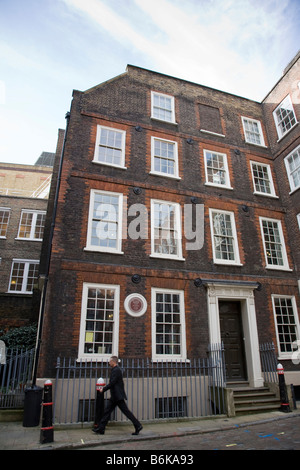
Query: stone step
(254, 400)
(257, 401)
(252, 393)
(256, 409)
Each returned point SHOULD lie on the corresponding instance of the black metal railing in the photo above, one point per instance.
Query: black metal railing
(269, 362)
(15, 375)
(155, 390)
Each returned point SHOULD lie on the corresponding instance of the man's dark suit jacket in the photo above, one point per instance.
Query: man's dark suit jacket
(116, 385)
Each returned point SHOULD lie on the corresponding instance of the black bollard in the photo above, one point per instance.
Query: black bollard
(46, 434)
(99, 401)
(285, 406)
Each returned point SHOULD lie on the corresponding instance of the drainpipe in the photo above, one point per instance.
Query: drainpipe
(46, 277)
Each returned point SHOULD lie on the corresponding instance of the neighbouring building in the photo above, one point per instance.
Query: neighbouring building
(24, 191)
(177, 225)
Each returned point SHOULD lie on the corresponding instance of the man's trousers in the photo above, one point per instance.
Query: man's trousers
(110, 408)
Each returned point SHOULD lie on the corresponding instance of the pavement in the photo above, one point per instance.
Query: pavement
(14, 436)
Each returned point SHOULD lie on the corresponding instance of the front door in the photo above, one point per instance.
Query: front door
(232, 337)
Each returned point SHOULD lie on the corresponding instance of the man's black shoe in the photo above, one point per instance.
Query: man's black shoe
(98, 431)
(137, 430)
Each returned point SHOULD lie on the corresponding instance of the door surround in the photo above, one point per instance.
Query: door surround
(244, 292)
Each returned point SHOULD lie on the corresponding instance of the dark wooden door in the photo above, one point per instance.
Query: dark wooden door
(232, 337)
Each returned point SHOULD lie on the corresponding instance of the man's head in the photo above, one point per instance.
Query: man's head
(113, 361)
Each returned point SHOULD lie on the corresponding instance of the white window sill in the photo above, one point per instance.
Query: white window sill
(165, 175)
(216, 185)
(109, 165)
(256, 145)
(294, 190)
(170, 359)
(158, 256)
(94, 357)
(279, 268)
(95, 250)
(288, 357)
(162, 120)
(227, 263)
(212, 133)
(17, 292)
(286, 133)
(265, 195)
(29, 239)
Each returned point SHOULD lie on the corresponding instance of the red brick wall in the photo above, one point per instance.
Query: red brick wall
(125, 103)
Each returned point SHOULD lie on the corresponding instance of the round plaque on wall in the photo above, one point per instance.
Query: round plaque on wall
(135, 305)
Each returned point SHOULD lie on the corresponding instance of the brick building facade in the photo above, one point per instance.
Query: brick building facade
(24, 193)
(151, 161)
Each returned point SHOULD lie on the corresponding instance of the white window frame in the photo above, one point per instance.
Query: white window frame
(290, 171)
(236, 261)
(106, 249)
(298, 218)
(248, 139)
(174, 144)
(286, 104)
(82, 336)
(286, 354)
(122, 148)
(27, 264)
(7, 210)
(270, 180)
(178, 229)
(35, 214)
(225, 185)
(285, 265)
(183, 353)
(172, 110)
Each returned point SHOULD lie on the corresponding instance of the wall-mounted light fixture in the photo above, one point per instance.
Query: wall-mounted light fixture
(136, 278)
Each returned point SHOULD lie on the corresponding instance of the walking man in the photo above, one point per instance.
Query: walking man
(118, 397)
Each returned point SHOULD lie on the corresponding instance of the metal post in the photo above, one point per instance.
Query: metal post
(99, 401)
(46, 434)
(285, 407)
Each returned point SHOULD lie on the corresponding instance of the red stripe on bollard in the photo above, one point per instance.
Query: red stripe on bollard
(285, 406)
(46, 434)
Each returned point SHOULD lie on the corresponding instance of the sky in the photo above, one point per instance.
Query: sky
(48, 48)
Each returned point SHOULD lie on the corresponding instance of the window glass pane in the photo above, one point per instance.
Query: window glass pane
(294, 168)
(4, 219)
(39, 226)
(273, 243)
(32, 276)
(168, 324)
(252, 131)
(223, 237)
(162, 107)
(165, 231)
(99, 321)
(25, 225)
(110, 146)
(105, 221)
(17, 277)
(32, 225)
(164, 157)
(285, 116)
(261, 178)
(286, 324)
(216, 168)
(23, 276)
